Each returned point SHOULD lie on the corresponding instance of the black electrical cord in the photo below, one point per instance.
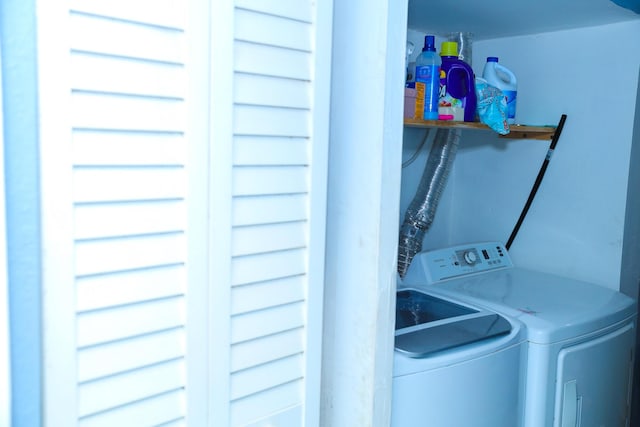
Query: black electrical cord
(541, 173)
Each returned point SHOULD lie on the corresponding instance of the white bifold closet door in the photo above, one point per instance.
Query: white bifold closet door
(184, 163)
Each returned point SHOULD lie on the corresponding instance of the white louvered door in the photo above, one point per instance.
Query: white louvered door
(133, 189)
(281, 85)
(184, 162)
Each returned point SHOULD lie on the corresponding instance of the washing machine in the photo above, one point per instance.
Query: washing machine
(455, 364)
(579, 336)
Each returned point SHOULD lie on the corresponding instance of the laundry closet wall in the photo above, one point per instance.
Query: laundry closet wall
(576, 224)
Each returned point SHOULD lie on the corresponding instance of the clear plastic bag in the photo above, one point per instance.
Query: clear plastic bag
(492, 106)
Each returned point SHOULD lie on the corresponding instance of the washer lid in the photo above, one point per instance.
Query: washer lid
(426, 324)
(553, 308)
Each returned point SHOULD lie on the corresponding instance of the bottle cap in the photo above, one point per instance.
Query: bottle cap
(492, 59)
(429, 43)
(449, 49)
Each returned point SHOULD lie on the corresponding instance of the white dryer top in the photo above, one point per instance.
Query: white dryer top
(553, 308)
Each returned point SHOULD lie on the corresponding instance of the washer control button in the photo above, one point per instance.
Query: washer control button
(470, 257)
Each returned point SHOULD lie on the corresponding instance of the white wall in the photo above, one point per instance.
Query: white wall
(575, 226)
(5, 371)
(630, 275)
(20, 134)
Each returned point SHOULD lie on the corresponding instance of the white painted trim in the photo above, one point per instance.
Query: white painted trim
(318, 208)
(58, 290)
(199, 390)
(220, 184)
(363, 212)
(392, 130)
(5, 345)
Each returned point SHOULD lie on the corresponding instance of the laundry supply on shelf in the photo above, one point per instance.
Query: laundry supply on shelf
(492, 106)
(457, 100)
(427, 81)
(504, 79)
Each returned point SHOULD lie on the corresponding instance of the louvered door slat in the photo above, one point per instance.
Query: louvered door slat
(166, 13)
(262, 210)
(273, 400)
(120, 323)
(129, 354)
(269, 266)
(118, 390)
(128, 287)
(153, 148)
(253, 325)
(154, 410)
(251, 120)
(180, 422)
(289, 8)
(263, 377)
(277, 151)
(258, 296)
(104, 256)
(271, 91)
(125, 219)
(272, 30)
(128, 184)
(133, 113)
(250, 181)
(96, 34)
(272, 61)
(268, 238)
(262, 350)
(99, 73)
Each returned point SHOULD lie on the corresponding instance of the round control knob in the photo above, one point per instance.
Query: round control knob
(470, 257)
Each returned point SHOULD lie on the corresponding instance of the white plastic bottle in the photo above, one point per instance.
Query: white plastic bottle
(501, 77)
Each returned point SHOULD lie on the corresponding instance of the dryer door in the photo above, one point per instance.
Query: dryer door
(593, 384)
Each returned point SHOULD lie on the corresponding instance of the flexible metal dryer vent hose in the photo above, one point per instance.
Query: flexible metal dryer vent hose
(422, 210)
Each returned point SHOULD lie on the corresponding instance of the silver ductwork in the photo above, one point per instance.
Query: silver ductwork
(422, 210)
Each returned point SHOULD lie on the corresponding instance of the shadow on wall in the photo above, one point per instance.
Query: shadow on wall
(633, 5)
(632, 228)
(635, 396)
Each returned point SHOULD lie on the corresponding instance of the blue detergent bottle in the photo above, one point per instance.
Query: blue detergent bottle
(457, 98)
(428, 80)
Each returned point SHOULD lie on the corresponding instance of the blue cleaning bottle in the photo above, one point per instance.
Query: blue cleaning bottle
(428, 80)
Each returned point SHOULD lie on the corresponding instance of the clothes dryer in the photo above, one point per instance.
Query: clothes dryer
(580, 336)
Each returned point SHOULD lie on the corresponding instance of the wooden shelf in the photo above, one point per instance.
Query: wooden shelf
(544, 133)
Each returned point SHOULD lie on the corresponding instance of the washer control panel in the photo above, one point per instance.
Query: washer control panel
(442, 264)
